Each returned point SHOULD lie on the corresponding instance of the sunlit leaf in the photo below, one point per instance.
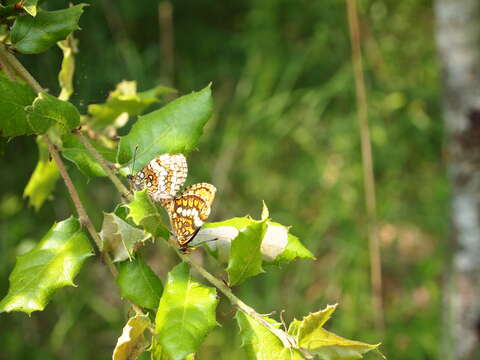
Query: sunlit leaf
(44, 177)
(32, 35)
(30, 7)
(326, 345)
(65, 76)
(145, 213)
(132, 342)
(120, 238)
(260, 343)
(74, 151)
(13, 99)
(186, 314)
(174, 128)
(53, 263)
(47, 111)
(294, 249)
(139, 284)
(123, 100)
(245, 256)
(278, 244)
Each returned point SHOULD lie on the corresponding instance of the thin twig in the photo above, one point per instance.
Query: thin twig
(82, 214)
(167, 52)
(104, 164)
(4, 64)
(367, 164)
(287, 340)
(18, 67)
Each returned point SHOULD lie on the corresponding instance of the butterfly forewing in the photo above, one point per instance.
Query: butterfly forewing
(190, 210)
(163, 177)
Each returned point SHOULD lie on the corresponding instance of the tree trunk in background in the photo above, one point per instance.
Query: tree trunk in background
(458, 39)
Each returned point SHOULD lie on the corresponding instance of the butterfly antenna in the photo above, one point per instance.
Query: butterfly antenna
(134, 157)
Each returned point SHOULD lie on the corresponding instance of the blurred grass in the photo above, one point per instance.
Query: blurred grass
(284, 131)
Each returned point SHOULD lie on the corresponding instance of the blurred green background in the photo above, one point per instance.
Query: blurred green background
(284, 131)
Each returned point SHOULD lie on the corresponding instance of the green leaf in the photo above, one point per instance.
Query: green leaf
(294, 249)
(13, 99)
(245, 256)
(139, 284)
(32, 35)
(47, 111)
(260, 343)
(74, 151)
(326, 345)
(145, 213)
(44, 177)
(30, 7)
(67, 70)
(132, 342)
(186, 314)
(175, 128)
(53, 263)
(278, 244)
(120, 238)
(124, 100)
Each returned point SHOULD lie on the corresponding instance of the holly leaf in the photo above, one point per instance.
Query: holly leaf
(186, 314)
(13, 99)
(30, 6)
(278, 244)
(74, 151)
(123, 102)
(120, 238)
(132, 342)
(33, 35)
(47, 111)
(260, 343)
(67, 70)
(245, 256)
(326, 345)
(145, 213)
(139, 284)
(53, 263)
(43, 179)
(174, 128)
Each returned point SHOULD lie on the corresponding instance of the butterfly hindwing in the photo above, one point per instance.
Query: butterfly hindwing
(189, 211)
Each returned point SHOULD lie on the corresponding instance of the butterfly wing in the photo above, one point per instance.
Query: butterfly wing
(163, 177)
(189, 211)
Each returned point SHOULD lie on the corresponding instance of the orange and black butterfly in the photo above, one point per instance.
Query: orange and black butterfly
(189, 211)
(163, 177)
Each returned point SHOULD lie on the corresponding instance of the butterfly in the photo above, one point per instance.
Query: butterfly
(163, 177)
(190, 210)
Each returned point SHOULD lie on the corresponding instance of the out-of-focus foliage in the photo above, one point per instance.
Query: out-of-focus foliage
(284, 131)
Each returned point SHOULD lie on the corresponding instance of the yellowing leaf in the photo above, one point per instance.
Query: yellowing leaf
(132, 342)
(120, 238)
(326, 345)
(44, 177)
(260, 343)
(65, 76)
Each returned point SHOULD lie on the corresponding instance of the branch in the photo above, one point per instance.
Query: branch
(82, 214)
(287, 340)
(21, 71)
(367, 165)
(104, 164)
